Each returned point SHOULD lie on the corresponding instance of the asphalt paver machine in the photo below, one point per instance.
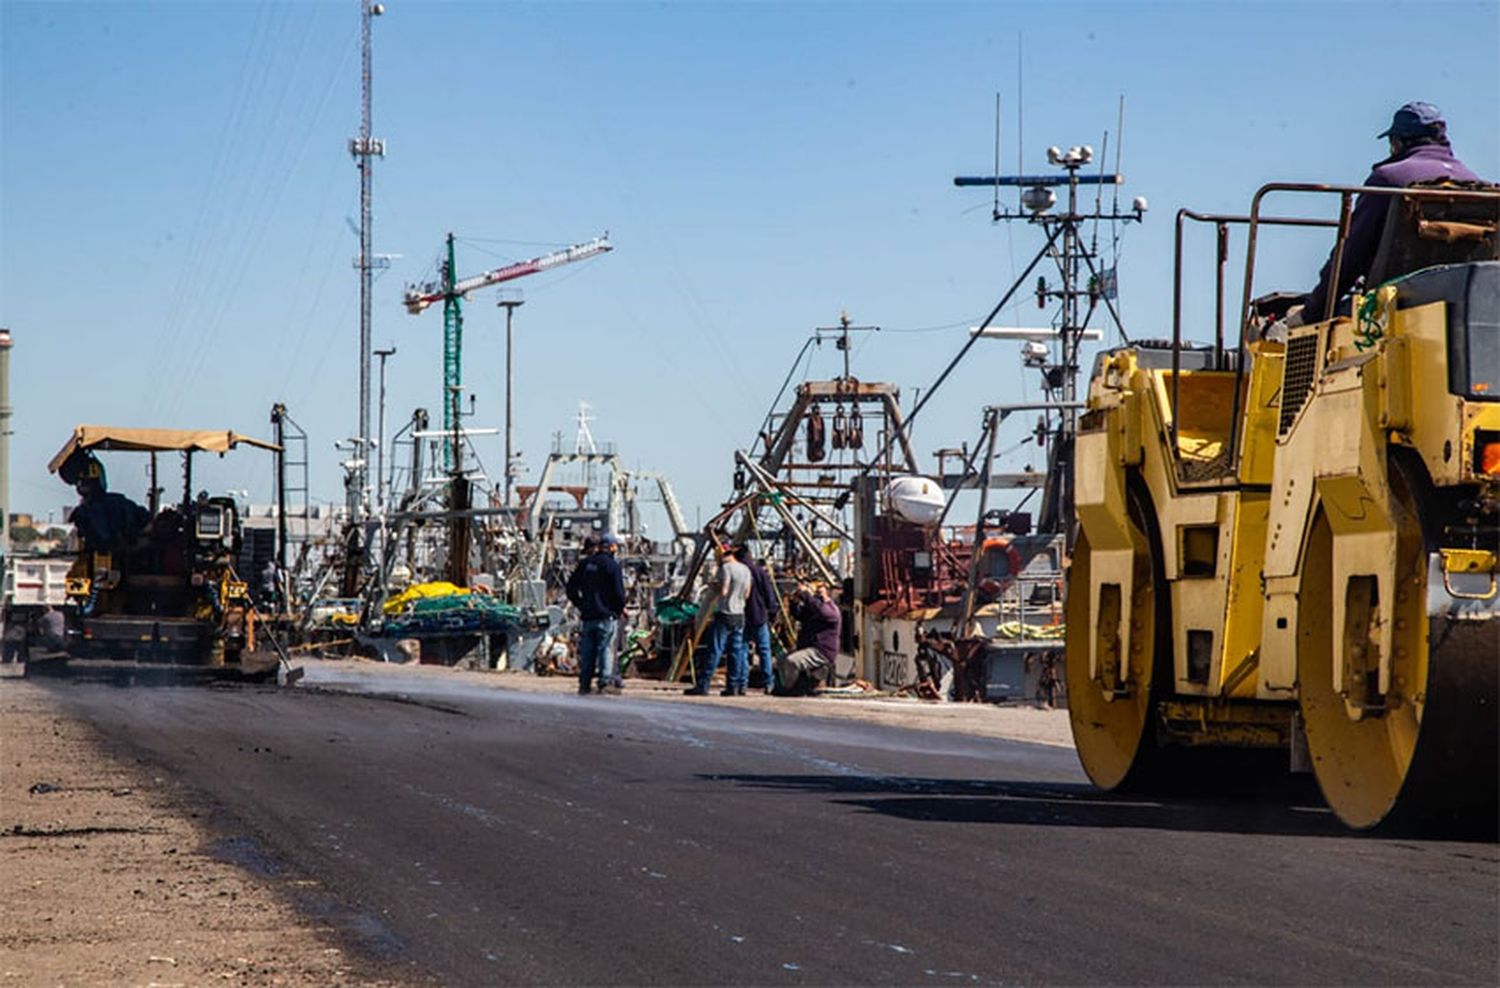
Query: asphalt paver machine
(157, 584)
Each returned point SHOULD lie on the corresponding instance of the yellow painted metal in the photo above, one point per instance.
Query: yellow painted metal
(1469, 561)
(1301, 582)
(1436, 415)
(1262, 409)
(1244, 597)
(1100, 498)
(1363, 713)
(1109, 679)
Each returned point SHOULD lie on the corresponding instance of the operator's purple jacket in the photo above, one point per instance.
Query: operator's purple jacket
(818, 624)
(1420, 164)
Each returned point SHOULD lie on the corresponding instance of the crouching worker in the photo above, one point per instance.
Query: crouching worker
(801, 671)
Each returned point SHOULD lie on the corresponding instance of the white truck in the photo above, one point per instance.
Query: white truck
(32, 583)
(35, 581)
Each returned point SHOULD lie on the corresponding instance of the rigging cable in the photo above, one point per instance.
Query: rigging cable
(906, 426)
(228, 271)
(271, 174)
(174, 324)
(765, 426)
(550, 244)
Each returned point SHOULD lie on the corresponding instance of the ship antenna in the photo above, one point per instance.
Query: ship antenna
(1114, 226)
(1099, 191)
(1020, 121)
(995, 210)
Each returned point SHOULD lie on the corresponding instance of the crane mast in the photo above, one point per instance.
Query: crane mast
(451, 290)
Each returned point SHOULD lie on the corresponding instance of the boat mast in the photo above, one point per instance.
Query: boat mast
(1074, 259)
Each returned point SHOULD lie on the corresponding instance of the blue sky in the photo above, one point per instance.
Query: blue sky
(176, 197)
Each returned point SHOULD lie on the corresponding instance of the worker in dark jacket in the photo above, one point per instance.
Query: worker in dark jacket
(106, 521)
(1420, 152)
(759, 609)
(597, 589)
(819, 622)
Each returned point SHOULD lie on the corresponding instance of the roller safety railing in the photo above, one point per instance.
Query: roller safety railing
(1346, 194)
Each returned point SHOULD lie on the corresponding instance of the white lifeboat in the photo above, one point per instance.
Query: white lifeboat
(918, 500)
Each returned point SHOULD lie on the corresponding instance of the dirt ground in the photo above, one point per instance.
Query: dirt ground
(108, 876)
(111, 875)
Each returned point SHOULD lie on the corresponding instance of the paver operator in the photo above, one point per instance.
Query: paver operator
(106, 521)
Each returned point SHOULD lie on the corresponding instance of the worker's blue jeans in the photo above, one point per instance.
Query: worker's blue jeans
(720, 634)
(760, 635)
(596, 652)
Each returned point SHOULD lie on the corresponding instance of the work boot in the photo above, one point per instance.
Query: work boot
(584, 691)
(728, 691)
(696, 690)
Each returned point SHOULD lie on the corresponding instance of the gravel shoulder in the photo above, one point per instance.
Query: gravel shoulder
(110, 875)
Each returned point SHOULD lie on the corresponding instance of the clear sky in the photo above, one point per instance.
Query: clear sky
(176, 197)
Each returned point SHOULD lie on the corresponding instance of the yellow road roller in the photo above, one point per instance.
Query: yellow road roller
(1288, 546)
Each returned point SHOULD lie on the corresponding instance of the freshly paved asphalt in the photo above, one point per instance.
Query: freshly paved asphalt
(491, 837)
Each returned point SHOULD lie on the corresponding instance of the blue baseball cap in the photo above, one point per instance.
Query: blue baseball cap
(1414, 120)
(608, 538)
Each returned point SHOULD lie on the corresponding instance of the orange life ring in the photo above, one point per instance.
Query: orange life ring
(1012, 556)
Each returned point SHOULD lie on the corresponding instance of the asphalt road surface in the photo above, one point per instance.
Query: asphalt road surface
(490, 837)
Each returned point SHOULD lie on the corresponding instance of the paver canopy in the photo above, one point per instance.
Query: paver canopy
(108, 437)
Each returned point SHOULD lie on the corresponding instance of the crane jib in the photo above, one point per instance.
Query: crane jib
(417, 301)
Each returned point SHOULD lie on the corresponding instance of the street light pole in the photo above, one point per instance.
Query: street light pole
(380, 440)
(510, 305)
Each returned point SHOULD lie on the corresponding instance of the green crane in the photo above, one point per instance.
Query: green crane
(451, 291)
